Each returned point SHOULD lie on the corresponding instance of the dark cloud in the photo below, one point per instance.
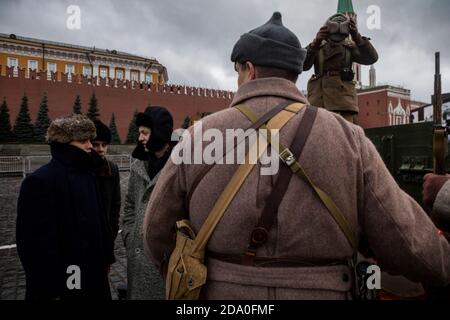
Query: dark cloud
(193, 38)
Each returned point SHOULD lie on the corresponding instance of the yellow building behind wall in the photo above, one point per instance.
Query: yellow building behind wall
(50, 56)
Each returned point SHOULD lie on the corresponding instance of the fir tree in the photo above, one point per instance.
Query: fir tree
(6, 134)
(93, 112)
(77, 105)
(42, 121)
(186, 123)
(23, 128)
(132, 130)
(115, 139)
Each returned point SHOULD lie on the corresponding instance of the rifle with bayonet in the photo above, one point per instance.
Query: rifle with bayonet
(440, 148)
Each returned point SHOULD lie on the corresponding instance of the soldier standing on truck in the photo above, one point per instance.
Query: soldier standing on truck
(332, 53)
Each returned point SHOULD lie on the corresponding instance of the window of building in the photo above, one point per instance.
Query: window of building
(70, 68)
(148, 77)
(32, 64)
(51, 67)
(134, 75)
(12, 62)
(119, 74)
(87, 71)
(103, 72)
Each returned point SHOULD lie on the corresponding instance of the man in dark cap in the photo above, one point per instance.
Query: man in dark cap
(333, 53)
(151, 153)
(294, 247)
(268, 51)
(108, 179)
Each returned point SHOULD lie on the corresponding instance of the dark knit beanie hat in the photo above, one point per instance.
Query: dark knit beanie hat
(270, 45)
(103, 132)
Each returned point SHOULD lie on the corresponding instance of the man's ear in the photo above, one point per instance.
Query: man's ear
(251, 70)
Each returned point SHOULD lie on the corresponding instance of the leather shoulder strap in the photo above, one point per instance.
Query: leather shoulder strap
(255, 125)
(347, 58)
(233, 186)
(321, 61)
(260, 233)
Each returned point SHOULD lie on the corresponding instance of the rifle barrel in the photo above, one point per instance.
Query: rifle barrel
(437, 98)
(439, 137)
(438, 63)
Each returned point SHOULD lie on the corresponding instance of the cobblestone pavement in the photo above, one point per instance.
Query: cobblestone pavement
(12, 276)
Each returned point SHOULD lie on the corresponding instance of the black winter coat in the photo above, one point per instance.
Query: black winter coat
(60, 223)
(108, 179)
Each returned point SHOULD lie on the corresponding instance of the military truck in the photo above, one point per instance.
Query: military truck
(409, 150)
(413, 150)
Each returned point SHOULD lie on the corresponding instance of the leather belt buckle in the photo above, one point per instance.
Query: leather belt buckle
(287, 157)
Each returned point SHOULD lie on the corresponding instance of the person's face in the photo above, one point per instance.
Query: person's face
(244, 72)
(144, 135)
(84, 145)
(101, 147)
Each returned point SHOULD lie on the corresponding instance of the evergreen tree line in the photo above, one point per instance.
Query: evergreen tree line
(24, 131)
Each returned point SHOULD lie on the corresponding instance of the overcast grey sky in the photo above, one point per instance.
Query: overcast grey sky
(194, 38)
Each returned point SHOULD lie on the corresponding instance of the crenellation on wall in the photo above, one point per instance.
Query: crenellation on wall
(122, 97)
(96, 81)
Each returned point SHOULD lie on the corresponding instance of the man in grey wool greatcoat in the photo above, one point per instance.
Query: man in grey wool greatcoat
(151, 153)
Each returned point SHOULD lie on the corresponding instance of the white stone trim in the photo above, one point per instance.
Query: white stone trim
(399, 96)
(390, 92)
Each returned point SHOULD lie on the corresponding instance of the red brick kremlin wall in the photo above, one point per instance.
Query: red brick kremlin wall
(120, 97)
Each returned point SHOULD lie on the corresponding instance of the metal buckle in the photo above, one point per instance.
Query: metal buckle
(287, 157)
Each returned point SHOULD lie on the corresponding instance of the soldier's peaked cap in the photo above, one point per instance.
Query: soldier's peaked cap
(270, 45)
